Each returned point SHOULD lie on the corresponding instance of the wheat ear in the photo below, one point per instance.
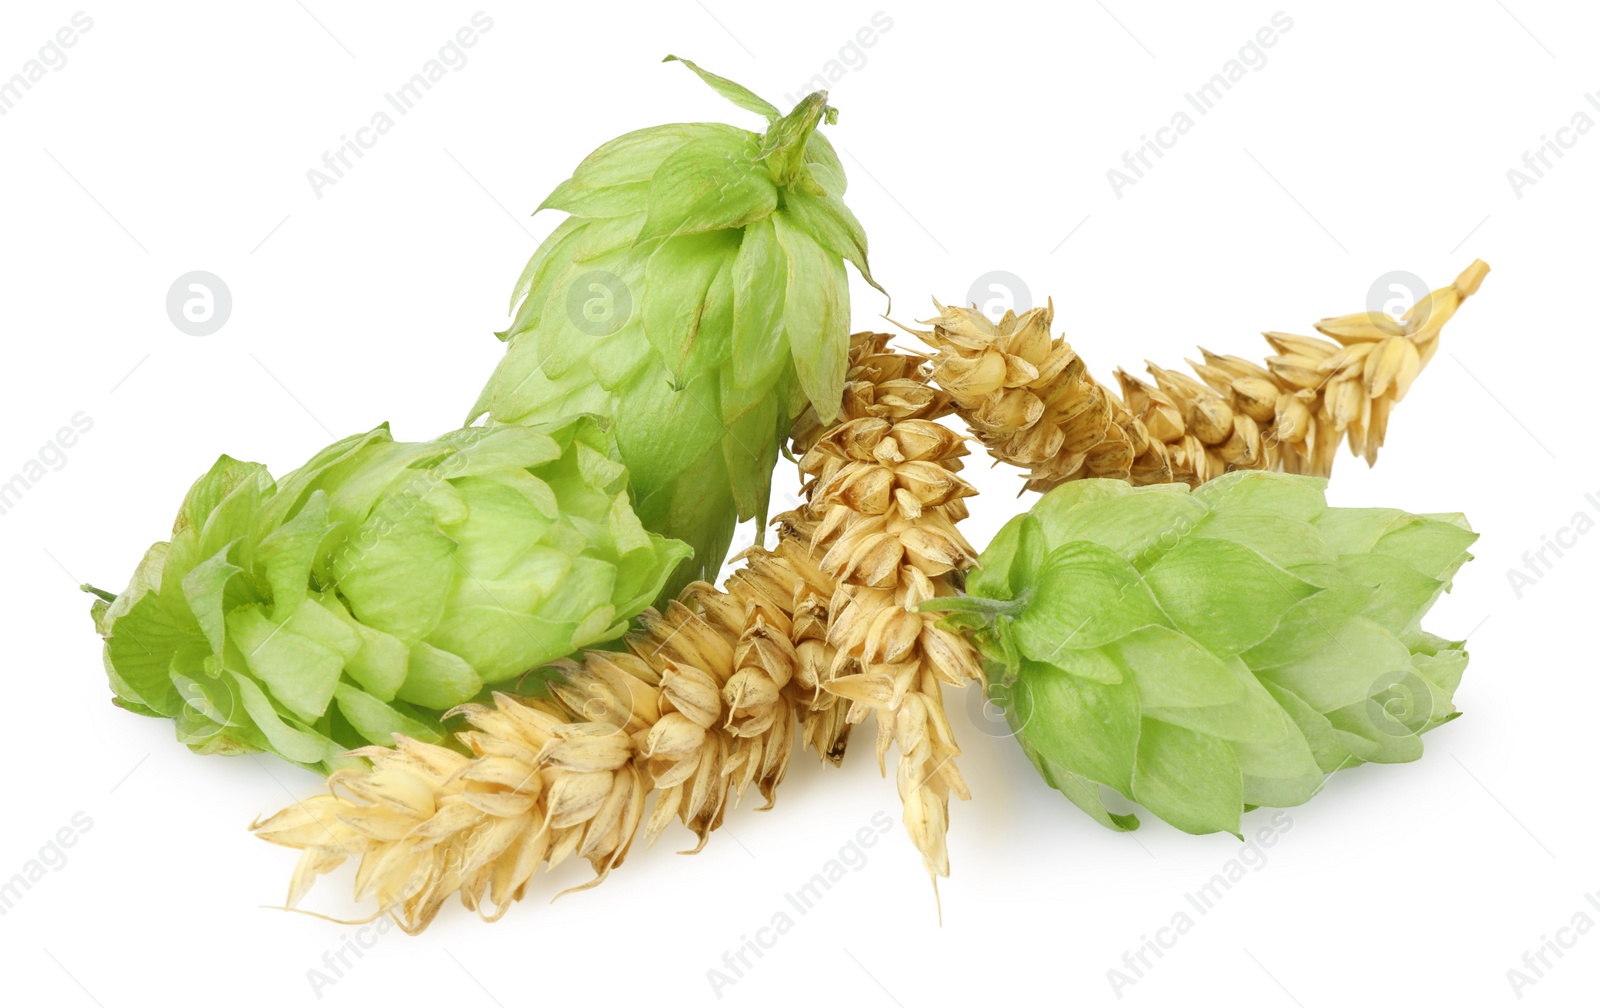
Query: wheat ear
(1030, 400)
(705, 700)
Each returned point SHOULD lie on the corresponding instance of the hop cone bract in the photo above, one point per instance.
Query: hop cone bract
(1201, 652)
(378, 585)
(697, 295)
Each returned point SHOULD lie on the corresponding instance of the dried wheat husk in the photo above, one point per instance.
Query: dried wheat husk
(706, 699)
(1029, 399)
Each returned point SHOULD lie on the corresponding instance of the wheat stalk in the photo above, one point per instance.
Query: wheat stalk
(1031, 402)
(811, 636)
(883, 501)
(691, 711)
(704, 702)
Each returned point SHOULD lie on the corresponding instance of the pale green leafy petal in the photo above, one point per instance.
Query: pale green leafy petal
(293, 490)
(139, 649)
(634, 157)
(1399, 594)
(1250, 491)
(1278, 641)
(546, 260)
(1175, 670)
(816, 316)
(1373, 736)
(1082, 792)
(1352, 667)
(379, 664)
(1188, 778)
(750, 453)
(666, 432)
(602, 238)
(1138, 527)
(299, 672)
(1012, 561)
(147, 577)
(382, 575)
(438, 680)
(677, 280)
(1086, 596)
(834, 227)
(1357, 530)
(709, 185)
(1102, 664)
(1443, 668)
(293, 742)
(825, 165)
(1435, 545)
(507, 446)
(288, 552)
(1280, 773)
(203, 591)
(377, 721)
(760, 277)
(1089, 728)
(1288, 542)
(209, 491)
(395, 571)
(1053, 508)
(610, 201)
(1252, 719)
(1226, 596)
(1310, 625)
(736, 93)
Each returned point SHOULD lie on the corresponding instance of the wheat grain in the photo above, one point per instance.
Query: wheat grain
(705, 701)
(1029, 399)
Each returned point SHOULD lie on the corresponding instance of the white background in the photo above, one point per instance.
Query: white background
(977, 138)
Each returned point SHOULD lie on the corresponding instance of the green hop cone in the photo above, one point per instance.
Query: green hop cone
(378, 585)
(1205, 652)
(696, 295)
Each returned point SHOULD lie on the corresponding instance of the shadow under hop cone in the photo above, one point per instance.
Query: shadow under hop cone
(377, 586)
(1208, 651)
